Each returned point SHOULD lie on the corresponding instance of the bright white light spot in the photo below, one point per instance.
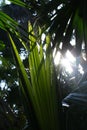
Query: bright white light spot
(73, 42)
(13, 67)
(84, 56)
(53, 14)
(65, 104)
(57, 58)
(69, 21)
(67, 65)
(64, 34)
(14, 105)
(60, 6)
(83, 46)
(53, 17)
(54, 11)
(61, 44)
(45, 47)
(67, 62)
(16, 111)
(0, 62)
(7, 2)
(3, 85)
(70, 57)
(54, 52)
(23, 54)
(43, 37)
(17, 83)
(53, 35)
(38, 46)
(81, 69)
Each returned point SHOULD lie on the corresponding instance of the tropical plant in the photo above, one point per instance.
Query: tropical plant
(11, 110)
(64, 18)
(38, 87)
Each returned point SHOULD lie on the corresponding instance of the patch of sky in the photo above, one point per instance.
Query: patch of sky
(43, 38)
(80, 69)
(17, 83)
(5, 1)
(0, 62)
(60, 6)
(3, 84)
(73, 41)
(52, 14)
(23, 54)
(13, 67)
(1, 54)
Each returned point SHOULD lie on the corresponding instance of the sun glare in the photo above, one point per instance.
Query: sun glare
(56, 57)
(66, 64)
(81, 69)
(70, 57)
(66, 61)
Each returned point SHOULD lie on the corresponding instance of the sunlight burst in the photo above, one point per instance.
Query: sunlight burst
(56, 57)
(66, 61)
(67, 65)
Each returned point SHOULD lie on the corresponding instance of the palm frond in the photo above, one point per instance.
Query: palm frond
(62, 17)
(39, 88)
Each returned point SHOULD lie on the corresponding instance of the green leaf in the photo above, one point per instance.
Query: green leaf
(39, 88)
(22, 71)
